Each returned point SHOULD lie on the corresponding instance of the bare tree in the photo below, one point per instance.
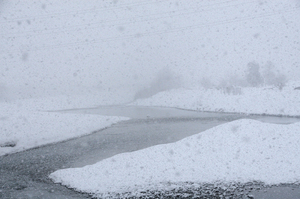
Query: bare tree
(253, 75)
(272, 78)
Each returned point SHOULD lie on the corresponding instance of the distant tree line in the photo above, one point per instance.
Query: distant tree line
(255, 77)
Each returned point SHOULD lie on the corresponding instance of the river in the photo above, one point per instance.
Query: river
(25, 174)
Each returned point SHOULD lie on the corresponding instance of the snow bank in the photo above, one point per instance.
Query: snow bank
(240, 151)
(22, 127)
(263, 100)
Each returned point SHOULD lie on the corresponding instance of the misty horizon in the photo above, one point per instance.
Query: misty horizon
(52, 48)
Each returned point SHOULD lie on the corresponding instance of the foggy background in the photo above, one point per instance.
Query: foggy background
(138, 48)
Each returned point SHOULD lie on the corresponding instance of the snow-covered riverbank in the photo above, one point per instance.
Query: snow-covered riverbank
(240, 151)
(268, 100)
(26, 124)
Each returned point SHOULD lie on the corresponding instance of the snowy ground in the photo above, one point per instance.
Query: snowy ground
(237, 152)
(240, 151)
(26, 124)
(268, 100)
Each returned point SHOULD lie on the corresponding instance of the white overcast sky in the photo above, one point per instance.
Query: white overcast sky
(67, 44)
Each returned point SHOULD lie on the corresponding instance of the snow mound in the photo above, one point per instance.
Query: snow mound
(240, 151)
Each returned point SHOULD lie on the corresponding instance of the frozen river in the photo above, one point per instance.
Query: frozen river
(25, 174)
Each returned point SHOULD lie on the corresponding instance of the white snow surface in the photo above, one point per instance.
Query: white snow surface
(240, 151)
(268, 100)
(26, 124)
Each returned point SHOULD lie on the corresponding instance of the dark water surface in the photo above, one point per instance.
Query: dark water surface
(25, 174)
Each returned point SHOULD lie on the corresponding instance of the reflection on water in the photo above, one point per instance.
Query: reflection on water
(143, 112)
